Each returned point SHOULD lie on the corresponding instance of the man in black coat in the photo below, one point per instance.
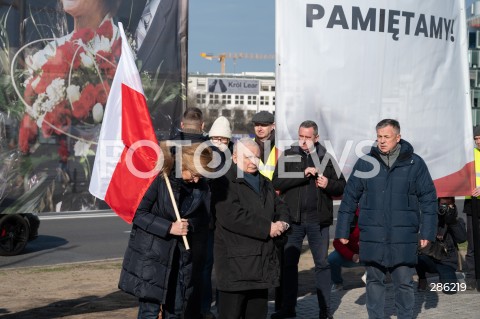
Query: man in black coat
(307, 178)
(249, 219)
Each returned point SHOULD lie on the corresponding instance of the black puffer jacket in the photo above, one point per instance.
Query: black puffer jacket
(151, 250)
(246, 257)
(292, 188)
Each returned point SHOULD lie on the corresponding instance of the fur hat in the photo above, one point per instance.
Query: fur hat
(476, 130)
(221, 127)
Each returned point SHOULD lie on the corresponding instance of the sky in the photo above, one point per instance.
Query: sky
(231, 26)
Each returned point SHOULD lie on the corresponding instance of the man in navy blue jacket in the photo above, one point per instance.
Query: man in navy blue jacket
(392, 186)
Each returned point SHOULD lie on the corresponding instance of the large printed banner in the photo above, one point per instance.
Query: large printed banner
(57, 62)
(349, 64)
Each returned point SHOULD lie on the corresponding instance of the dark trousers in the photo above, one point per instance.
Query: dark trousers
(248, 304)
(318, 240)
(207, 275)
(198, 247)
(445, 273)
(173, 307)
(469, 256)
(402, 278)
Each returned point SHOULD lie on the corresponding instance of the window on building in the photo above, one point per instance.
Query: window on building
(227, 113)
(213, 113)
(272, 88)
(226, 99)
(213, 99)
(264, 100)
(238, 114)
(238, 99)
(252, 100)
(201, 99)
(273, 100)
(264, 88)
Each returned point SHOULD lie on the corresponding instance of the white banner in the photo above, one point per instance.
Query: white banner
(349, 64)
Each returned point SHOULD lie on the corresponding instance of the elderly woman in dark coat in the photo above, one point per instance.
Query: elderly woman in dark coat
(157, 268)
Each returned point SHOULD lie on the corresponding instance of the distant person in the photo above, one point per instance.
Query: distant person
(264, 127)
(191, 126)
(441, 256)
(398, 214)
(345, 255)
(309, 197)
(249, 218)
(470, 278)
(157, 268)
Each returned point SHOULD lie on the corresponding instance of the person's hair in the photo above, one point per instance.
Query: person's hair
(389, 122)
(192, 119)
(309, 124)
(204, 157)
(167, 159)
(246, 142)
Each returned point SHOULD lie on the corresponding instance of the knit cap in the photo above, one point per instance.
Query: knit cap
(221, 127)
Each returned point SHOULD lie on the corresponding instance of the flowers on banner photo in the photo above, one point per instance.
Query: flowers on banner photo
(69, 80)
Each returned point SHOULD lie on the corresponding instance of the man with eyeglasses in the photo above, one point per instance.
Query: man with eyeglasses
(307, 178)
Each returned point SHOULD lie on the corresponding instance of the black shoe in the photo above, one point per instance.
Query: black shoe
(324, 315)
(284, 314)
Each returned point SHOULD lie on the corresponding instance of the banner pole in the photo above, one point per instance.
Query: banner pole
(174, 203)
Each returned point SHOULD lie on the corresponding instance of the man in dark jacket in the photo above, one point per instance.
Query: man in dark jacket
(441, 256)
(392, 186)
(307, 178)
(249, 216)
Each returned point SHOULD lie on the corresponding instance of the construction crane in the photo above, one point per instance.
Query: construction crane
(223, 56)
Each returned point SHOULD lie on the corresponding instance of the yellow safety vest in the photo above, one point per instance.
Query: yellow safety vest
(476, 156)
(268, 168)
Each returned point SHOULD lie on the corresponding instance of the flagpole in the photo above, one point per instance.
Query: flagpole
(177, 214)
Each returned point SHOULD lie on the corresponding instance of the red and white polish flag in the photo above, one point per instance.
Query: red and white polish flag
(127, 152)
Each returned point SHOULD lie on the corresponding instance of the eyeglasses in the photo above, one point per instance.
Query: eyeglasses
(219, 139)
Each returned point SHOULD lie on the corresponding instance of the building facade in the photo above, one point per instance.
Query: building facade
(236, 96)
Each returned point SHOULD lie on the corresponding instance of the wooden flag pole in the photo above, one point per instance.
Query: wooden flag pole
(174, 203)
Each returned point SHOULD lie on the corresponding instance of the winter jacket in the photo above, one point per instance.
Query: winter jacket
(246, 257)
(152, 250)
(390, 204)
(293, 187)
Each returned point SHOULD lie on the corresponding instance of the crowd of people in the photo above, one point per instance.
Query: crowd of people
(245, 211)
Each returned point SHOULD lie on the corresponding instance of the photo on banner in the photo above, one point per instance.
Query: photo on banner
(349, 64)
(57, 62)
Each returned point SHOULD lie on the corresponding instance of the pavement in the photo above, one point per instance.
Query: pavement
(350, 302)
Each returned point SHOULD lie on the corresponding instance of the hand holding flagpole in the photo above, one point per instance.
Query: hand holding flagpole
(174, 203)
